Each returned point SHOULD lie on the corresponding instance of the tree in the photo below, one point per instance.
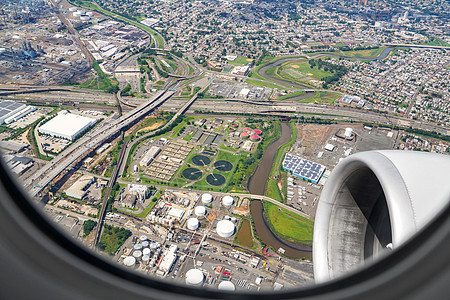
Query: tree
(88, 226)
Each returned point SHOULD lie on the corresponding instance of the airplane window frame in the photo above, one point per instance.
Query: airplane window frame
(383, 279)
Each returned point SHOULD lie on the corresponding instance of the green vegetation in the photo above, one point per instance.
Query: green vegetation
(264, 84)
(88, 226)
(101, 82)
(240, 61)
(112, 238)
(288, 225)
(248, 162)
(126, 90)
(272, 189)
(115, 156)
(32, 138)
(368, 53)
(321, 97)
(291, 95)
(298, 69)
(222, 155)
(435, 41)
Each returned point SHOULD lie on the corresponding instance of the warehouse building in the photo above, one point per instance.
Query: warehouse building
(302, 168)
(149, 156)
(67, 126)
(11, 111)
(79, 189)
(18, 164)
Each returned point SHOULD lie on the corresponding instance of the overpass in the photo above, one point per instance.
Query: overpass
(33, 90)
(417, 46)
(89, 142)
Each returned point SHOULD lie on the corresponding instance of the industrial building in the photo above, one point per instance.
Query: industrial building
(11, 111)
(79, 189)
(13, 146)
(168, 260)
(67, 126)
(303, 168)
(18, 164)
(139, 190)
(149, 156)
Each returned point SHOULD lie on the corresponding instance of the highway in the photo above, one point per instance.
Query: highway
(184, 107)
(78, 150)
(290, 108)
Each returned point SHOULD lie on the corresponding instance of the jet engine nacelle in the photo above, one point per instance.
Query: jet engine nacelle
(374, 201)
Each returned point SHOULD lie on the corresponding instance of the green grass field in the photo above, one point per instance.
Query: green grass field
(288, 225)
(264, 84)
(240, 61)
(112, 238)
(321, 97)
(362, 53)
(301, 69)
(272, 190)
(294, 94)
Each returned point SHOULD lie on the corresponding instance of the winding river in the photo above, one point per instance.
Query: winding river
(257, 182)
(257, 186)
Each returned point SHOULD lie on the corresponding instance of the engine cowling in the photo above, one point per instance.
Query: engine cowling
(374, 201)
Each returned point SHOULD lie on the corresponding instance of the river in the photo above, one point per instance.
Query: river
(257, 185)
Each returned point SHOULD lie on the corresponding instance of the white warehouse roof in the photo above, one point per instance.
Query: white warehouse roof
(67, 126)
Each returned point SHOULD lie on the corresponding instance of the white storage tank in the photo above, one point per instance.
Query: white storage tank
(143, 238)
(145, 244)
(206, 198)
(194, 277)
(84, 18)
(137, 247)
(146, 251)
(145, 259)
(137, 254)
(129, 261)
(226, 286)
(225, 228)
(76, 14)
(82, 11)
(192, 224)
(200, 211)
(73, 9)
(348, 132)
(227, 200)
(90, 14)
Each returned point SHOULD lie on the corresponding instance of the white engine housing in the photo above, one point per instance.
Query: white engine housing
(373, 201)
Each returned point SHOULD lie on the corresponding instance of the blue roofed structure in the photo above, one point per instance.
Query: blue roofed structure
(303, 168)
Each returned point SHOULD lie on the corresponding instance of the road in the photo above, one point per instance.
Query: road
(180, 111)
(111, 182)
(73, 32)
(89, 142)
(291, 108)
